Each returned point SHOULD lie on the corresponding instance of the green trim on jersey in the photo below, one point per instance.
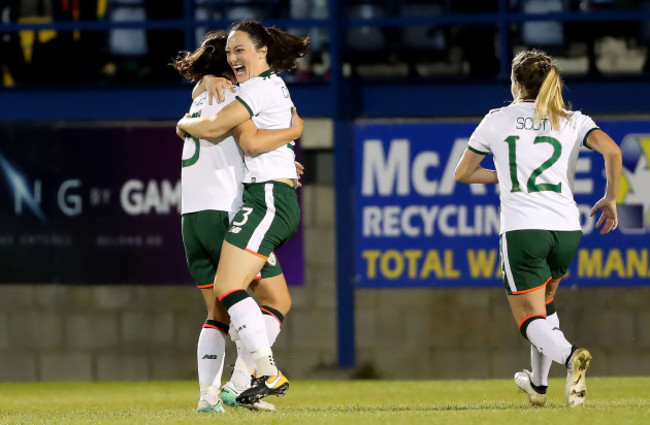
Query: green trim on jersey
(250, 111)
(476, 151)
(267, 73)
(584, 141)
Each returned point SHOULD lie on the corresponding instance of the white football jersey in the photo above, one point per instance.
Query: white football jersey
(211, 174)
(268, 101)
(535, 165)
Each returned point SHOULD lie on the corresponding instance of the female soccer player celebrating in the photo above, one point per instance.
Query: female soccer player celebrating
(535, 142)
(270, 214)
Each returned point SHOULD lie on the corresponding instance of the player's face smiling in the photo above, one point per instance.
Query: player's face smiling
(245, 61)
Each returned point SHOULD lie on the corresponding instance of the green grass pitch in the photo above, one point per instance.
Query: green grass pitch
(611, 401)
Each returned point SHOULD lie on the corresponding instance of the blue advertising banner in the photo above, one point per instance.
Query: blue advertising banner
(415, 226)
(97, 204)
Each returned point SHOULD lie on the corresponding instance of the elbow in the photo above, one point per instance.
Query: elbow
(460, 176)
(616, 154)
(248, 146)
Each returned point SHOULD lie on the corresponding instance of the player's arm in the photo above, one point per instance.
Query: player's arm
(468, 169)
(599, 141)
(253, 140)
(215, 86)
(214, 126)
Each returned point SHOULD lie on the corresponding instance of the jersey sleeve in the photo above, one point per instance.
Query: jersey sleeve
(479, 140)
(585, 126)
(253, 96)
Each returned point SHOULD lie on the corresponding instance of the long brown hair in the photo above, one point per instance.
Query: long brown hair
(539, 76)
(284, 49)
(209, 58)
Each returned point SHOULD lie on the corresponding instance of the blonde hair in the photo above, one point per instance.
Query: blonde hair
(540, 78)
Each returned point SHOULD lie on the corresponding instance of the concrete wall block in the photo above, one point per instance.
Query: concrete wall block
(18, 366)
(397, 363)
(91, 331)
(33, 328)
(186, 329)
(628, 363)
(4, 332)
(322, 289)
(507, 360)
(319, 243)
(66, 366)
(143, 328)
(79, 297)
(453, 363)
(15, 297)
(317, 329)
(169, 366)
(366, 331)
(112, 297)
(308, 207)
(642, 329)
(52, 295)
(324, 210)
(161, 329)
(122, 367)
(609, 329)
(318, 134)
(300, 296)
(398, 300)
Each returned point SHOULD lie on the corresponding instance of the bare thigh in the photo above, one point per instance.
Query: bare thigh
(528, 304)
(216, 311)
(274, 292)
(237, 269)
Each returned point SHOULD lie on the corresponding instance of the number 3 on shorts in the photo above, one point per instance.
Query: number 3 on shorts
(246, 211)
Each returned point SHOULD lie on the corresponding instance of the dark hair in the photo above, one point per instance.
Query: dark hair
(539, 76)
(284, 49)
(209, 58)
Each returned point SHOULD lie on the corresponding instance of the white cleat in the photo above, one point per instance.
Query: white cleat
(522, 380)
(205, 407)
(576, 387)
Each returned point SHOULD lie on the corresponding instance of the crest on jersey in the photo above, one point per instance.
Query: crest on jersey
(634, 189)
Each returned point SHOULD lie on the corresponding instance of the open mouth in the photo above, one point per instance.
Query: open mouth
(240, 70)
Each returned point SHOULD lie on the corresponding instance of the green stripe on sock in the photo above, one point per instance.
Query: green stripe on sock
(272, 312)
(233, 298)
(220, 325)
(526, 322)
(550, 308)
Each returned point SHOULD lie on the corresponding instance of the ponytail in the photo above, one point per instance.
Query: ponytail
(285, 50)
(549, 102)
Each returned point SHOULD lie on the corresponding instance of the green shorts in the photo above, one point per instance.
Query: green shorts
(203, 235)
(530, 258)
(268, 218)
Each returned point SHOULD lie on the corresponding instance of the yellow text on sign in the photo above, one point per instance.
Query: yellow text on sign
(620, 263)
(410, 263)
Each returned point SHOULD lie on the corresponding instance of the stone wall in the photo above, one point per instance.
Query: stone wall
(84, 333)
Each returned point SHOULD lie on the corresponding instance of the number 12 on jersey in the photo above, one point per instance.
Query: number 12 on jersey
(531, 184)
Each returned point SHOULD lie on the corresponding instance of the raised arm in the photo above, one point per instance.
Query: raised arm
(468, 169)
(599, 141)
(253, 140)
(214, 126)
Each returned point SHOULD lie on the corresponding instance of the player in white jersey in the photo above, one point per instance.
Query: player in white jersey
(270, 214)
(535, 142)
(212, 183)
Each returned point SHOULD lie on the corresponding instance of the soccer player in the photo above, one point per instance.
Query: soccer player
(270, 214)
(535, 142)
(212, 176)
